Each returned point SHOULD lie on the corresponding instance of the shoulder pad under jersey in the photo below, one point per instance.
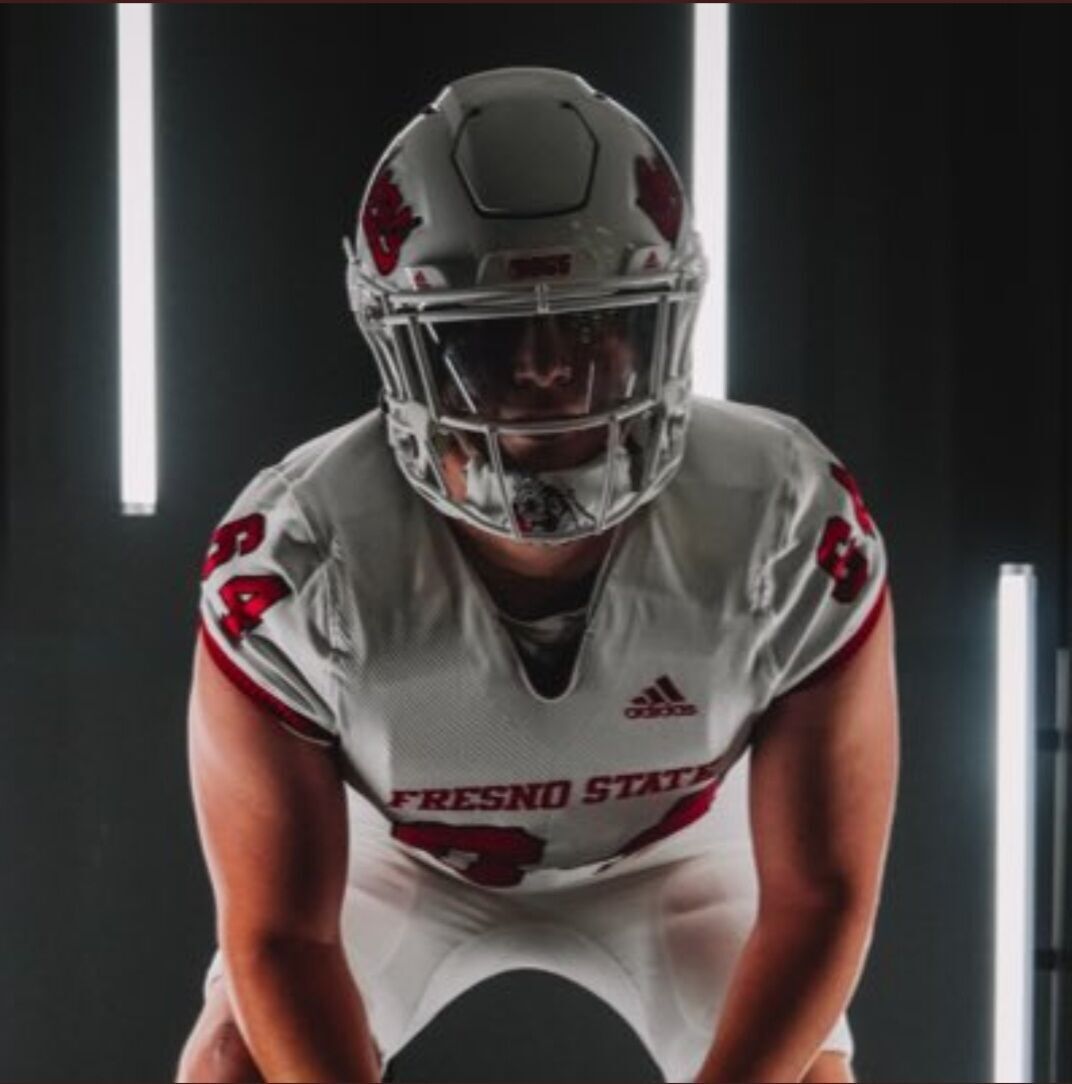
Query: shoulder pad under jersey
(826, 579)
(267, 612)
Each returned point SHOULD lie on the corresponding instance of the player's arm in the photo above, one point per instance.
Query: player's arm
(823, 782)
(272, 818)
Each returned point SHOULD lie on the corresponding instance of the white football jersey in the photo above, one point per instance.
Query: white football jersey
(337, 595)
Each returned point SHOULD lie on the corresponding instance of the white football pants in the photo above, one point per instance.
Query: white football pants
(658, 945)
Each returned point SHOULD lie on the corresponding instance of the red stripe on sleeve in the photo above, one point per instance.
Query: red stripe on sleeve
(247, 685)
(847, 649)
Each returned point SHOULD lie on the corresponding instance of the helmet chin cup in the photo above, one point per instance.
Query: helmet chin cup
(522, 207)
(546, 506)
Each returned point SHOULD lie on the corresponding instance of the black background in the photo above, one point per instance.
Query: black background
(898, 278)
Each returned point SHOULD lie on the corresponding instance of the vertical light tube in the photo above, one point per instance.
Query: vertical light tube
(1059, 907)
(1014, 866)
(137, 261)
(710, 89)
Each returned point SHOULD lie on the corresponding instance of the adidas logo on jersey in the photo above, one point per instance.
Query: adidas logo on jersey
(659, 701)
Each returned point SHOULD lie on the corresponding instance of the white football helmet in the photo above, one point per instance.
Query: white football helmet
(526, 273)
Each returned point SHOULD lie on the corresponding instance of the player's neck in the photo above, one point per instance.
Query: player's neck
(529, 579)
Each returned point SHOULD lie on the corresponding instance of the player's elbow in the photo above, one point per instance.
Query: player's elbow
(248, 948)
(844, 901)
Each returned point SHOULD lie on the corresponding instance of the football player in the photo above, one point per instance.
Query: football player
(474, 669)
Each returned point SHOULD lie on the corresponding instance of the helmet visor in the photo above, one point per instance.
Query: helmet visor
(542, 368)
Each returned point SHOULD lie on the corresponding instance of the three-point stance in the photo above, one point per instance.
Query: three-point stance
(475, 668)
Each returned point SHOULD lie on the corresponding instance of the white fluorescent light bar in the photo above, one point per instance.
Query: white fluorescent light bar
(1014, 866)
(709, 180)
(137, 261)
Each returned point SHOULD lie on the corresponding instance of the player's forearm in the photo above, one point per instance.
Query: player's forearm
(793, 979)
(301, 1013)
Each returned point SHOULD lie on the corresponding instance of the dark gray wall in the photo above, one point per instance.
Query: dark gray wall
(269, 119)
(898, 278)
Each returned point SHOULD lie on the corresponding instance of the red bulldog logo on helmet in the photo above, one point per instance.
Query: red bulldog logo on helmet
(659, 195)
(387, 221)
